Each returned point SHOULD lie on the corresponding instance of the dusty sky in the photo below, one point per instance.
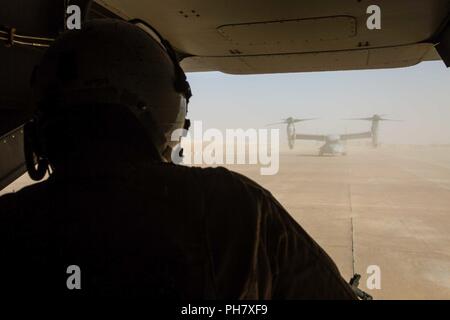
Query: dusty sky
(418, 95)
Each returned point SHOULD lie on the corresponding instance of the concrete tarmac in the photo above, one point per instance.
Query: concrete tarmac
(386, 207)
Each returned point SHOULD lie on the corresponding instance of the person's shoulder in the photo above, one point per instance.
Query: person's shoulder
(10, 202)
(216, 183)
(226, 181)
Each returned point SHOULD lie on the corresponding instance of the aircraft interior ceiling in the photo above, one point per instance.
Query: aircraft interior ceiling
(248, 37)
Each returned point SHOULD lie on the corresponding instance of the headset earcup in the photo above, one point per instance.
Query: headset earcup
(35, 173)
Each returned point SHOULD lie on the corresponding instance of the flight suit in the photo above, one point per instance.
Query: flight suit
(162, 231)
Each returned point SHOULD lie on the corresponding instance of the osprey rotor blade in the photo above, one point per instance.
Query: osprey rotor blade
(384, 119)
(368, 119)
(302, 119)
(275, 124)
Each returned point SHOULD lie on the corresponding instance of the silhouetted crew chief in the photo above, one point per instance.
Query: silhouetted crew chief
(107, 99)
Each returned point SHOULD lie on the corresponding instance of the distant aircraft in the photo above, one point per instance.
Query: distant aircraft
(333, 142)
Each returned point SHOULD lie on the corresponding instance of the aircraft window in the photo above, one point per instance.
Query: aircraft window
(366, 170)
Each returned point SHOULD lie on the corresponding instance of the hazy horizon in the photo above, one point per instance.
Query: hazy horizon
(417, 95)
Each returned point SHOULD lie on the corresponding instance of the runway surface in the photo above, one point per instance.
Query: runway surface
(388, 207)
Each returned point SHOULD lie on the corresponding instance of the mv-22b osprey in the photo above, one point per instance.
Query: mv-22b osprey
(333, 143)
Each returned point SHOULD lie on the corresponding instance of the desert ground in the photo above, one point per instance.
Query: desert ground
(387, 207)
